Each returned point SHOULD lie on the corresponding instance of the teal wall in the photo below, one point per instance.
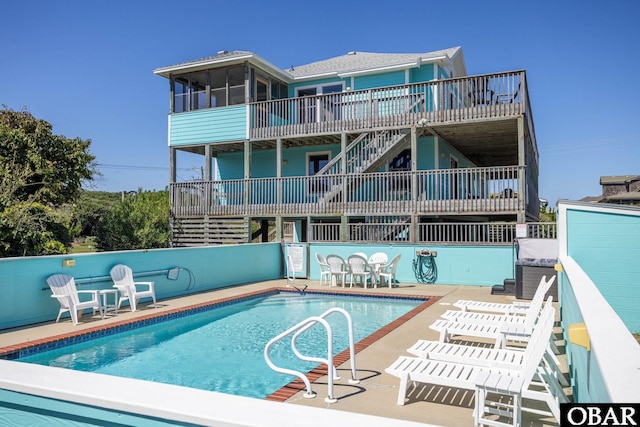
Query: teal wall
(206, 126)
(456, 264)
(422, 74)
(23, 280)
(230, 165)
(606, 246)
(318, 82)
(379, 80)
(263, 163)
(445, 160)
(587, 384)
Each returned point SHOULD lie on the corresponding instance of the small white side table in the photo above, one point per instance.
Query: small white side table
(105, 301)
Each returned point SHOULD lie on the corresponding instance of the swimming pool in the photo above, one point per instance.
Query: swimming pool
(221, 349)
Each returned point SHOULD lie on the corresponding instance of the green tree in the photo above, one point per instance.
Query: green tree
(89, 208)
(39, 171)
(140, 221)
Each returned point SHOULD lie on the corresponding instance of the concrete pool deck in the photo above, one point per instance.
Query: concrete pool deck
(377, 392)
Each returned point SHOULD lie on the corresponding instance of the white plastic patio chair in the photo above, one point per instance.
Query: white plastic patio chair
(122, 276)
(360, 270)
(325, 271)
(339, 269)
(388, 271)
(65, 291)
(379, 257)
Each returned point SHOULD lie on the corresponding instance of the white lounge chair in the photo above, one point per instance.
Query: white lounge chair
(489, 318)
(515, 382)
(500, 333)
(65, 291)
(516, 307)
(122, 276)
(492, 357)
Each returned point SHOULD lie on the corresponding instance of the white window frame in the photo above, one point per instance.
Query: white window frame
(315, 153)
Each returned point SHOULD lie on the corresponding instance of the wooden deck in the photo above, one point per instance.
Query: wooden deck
(477, 191)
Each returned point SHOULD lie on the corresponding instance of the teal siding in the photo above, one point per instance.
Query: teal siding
(379, 80)
(448, 150)
(318, 82)
(425, 148)
(263, 165)
(605, 245)
(207, 126)
(421, 74)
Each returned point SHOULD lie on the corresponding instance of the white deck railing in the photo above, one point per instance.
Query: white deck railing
(399, 231)
(439, 101)
(446, 191)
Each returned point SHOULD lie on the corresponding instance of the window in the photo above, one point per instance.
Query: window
(402, 162)
(226, 88)
(236, 85)
(315, 163)
(218, 88)
(329, 107)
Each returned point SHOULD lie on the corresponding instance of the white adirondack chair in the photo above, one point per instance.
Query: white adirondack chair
(513, 382)
(122, 276)
(65, 291)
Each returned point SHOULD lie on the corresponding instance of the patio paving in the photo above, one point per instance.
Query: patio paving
(376, 394)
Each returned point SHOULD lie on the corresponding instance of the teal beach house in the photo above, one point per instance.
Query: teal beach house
(363, 147)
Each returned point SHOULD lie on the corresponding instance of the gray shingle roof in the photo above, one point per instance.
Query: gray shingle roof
(222, 55)
(361, 61)
(352, 62)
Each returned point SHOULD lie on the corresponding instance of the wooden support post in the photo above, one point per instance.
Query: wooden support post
(522, 189)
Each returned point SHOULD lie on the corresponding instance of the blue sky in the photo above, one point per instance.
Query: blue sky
(87, 68)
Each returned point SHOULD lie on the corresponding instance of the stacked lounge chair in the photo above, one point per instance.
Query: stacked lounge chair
(500, 377)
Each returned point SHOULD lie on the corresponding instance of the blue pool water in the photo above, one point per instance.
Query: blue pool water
(222, 349)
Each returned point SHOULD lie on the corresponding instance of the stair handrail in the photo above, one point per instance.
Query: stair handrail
(326, 169)
(352, 353)
(331, 370)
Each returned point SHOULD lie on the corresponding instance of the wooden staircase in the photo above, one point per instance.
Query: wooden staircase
(367, 153)
(199, 231)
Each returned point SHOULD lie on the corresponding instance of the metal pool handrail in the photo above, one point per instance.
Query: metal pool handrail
(332, 373)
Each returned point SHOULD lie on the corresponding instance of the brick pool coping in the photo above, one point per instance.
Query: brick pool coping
(280, 395)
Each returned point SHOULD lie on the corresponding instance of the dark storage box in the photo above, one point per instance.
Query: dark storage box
(529, 272)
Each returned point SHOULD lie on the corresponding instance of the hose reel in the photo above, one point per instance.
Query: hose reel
(424, 266)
